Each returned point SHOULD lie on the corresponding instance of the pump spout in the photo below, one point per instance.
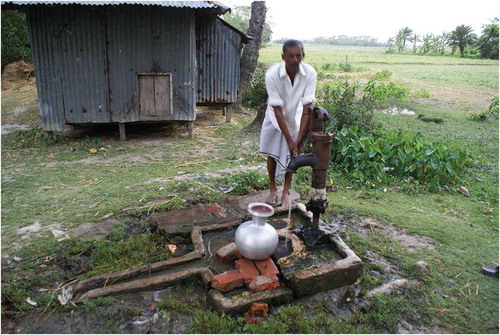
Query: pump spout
(300, 161)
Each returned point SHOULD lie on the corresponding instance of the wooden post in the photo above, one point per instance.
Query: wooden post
(123, 135)
(346, 62)
(190, 129)
(229, 112)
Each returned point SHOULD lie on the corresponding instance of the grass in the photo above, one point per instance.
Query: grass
(62, 183)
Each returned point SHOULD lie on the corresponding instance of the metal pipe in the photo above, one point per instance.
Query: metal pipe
(300, 161)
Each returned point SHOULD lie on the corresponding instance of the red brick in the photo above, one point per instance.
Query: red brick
(264, 283)
(227, 281)
(247, 269)
(227, 253)
(239, 255)
(213, 208)
(267, 267)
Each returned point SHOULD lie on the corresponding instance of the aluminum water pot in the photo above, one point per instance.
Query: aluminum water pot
(257, 239)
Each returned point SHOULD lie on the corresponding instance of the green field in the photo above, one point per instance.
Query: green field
(65, 184)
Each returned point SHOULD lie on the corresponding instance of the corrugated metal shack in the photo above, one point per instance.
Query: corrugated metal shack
(130, 61)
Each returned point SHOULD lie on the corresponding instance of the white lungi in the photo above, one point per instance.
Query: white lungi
(273, 143)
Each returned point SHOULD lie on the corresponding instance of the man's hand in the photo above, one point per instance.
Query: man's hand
(292, 146)
(300, 147)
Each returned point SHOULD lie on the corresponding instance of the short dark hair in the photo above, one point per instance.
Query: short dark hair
(293, 43)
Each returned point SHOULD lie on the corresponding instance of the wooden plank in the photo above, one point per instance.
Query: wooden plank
(147, 98)
(162, 95)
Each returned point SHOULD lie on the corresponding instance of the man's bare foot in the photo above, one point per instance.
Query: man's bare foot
(272, 199)
(285, 199)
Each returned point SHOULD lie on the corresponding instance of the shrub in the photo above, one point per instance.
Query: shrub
(36, 137)
(382, 75)
(492, 112)
(319, 72)
(422, 93)
(256, 93)
(340, 100)
(326, 66)
(345, 67)
(493, 108)
(366, 158)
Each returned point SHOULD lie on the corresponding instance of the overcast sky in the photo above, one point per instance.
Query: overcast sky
(381, 19)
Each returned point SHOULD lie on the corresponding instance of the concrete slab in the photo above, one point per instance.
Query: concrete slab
(181, 221)
(242, 302)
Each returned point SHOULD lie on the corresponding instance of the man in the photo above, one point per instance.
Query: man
(291, 87)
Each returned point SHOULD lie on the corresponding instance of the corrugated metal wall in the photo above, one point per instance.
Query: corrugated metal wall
(218, 56)
(84, 79)
(44, 46)
(152, 39)
(87, 59)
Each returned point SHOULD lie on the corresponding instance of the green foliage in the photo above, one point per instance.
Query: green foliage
(36, 137)
(348, 107)
(239, 18)
(422, 93)
(321, 75)
(121, 251)
(382, 75)
(256, 93)
(172, 303)
(340, 100)
(408, 157)
(209, 322)
(493, 108)
(345, 67)
(15, 41)
(491, 113)
(326, 66)
(246, 182)
(462, 37)
(488, 42)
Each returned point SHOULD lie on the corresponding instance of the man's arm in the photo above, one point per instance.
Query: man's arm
(304, 127)
(292, 146)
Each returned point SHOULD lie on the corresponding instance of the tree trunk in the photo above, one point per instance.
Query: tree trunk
(259, 118)
(251, 51)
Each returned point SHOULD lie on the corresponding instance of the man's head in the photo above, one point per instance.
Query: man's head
(293, 53)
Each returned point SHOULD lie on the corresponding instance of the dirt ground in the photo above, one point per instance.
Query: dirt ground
(138, 312)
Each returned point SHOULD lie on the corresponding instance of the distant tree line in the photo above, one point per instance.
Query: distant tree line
(365, 41)
(461, 39)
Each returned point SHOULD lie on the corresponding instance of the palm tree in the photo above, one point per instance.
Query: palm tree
(427, 43)
(399, 41)
(443, 40)
(405, 33)
(390, 42)
(462, 37)
(415, 38)
(435, 43)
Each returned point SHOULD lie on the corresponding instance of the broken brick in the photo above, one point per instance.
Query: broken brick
(247, 269)
(267, 267)
(213, 208)
(264, 283)
(257, 310)
(227, 281)
(227, 253)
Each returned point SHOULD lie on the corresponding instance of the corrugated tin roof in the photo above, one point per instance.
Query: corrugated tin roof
(177, 4)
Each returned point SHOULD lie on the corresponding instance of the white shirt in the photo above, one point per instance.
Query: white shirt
(290, 97)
